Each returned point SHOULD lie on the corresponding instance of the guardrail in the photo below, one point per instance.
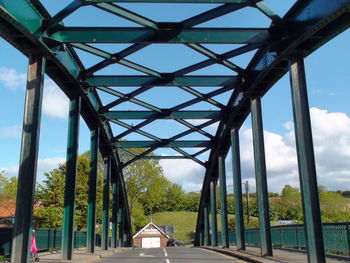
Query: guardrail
(336, 238)
(46, 239)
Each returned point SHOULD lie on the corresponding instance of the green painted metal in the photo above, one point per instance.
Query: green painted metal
(46, 239)
(166, 80)
(268, 11)
(63, 13)
(28, 159)
(24, 13)
(121, 225)
(306, 161)
(223, 201)
(201, 241)
(167, 114)
(260, 177)
(115, 207)
(293, 237)
(206, 227)
(237, 185)
(213, 210)
(105, 204)
(28, 26)
(148, 144)
(166, 35)
(91, 220)
(70, 180)
(122, 12)
(172, 1)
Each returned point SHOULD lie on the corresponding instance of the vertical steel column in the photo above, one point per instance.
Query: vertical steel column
(306, 161)
(105, 209)
(115, 204)
(91, 222)
(28, 159)
(121, 226)
(201, 242)
(237, 184)
(223, 199)
(71, 175)
(206, 226)
(260, 177)
(213, 209)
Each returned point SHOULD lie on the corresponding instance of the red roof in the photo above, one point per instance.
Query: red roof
(8, 209)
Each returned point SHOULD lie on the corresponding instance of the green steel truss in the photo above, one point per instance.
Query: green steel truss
(29, 27)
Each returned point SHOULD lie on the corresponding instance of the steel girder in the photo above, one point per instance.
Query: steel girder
(306, 31)
(30, 28)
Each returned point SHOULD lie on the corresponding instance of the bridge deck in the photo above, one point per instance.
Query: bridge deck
(179, 255)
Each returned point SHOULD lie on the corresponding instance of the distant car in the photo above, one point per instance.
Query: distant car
(174, 243)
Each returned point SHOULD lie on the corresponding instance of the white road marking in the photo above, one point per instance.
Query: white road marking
(143, 255)
(166, 255)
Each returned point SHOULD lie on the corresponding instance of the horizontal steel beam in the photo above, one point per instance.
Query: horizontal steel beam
(149, 144)
(172, 34)
(168, 157)
(172, 1)
(134, 81)
(166, 115)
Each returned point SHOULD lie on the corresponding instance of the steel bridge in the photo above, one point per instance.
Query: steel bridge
(56, 49)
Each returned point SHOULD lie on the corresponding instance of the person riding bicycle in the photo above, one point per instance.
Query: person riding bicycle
(33, 248)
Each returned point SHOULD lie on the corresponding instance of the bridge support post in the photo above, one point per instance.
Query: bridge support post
(206, 226)
(121, 226)
(115, 204)
(201, 242)
(213, 210)
(237, 184)
(91, 221)
(70, 182)
(105, 209)
(28, 160)
(306, 161)
(260, 177)
(223, 199)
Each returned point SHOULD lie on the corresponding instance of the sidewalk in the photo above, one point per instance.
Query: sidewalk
(80, 255)
(252, 254)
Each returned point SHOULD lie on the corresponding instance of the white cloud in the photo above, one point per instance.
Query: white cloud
(191, 187)
(55, 102)
(183, 171)
(14, 131)
(12, 79)
(331, 136)
(44, 165)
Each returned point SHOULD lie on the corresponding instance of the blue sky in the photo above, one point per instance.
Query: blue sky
(328, 79)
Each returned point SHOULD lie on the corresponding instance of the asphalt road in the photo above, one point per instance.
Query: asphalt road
(169, 255)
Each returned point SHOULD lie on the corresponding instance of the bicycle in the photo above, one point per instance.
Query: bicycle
(34, 257)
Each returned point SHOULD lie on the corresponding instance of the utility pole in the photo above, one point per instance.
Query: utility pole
(247, 197)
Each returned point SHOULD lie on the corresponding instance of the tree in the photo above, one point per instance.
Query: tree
(138, 217)
(191, 201)
(333, 207)
(8, 191)
(50, 196)
(290, 207)
(174, 198)
(144, 182)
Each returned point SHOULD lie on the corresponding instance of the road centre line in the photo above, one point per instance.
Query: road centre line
(166, 255)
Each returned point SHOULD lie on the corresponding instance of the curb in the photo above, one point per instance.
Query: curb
(92, 257)
(234, 254)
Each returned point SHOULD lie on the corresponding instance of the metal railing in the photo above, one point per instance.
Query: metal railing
(46, 239)
(336, 237)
